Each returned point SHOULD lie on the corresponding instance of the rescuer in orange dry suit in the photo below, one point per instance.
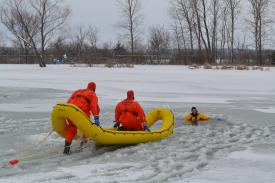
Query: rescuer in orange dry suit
(87, 101)
(129, 115)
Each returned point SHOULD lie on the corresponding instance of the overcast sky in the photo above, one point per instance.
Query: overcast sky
(104, 14)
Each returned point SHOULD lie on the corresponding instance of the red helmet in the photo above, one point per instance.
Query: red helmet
(91, 86)
(130, 95)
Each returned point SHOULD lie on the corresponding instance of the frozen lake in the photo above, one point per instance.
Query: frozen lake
(243, 101)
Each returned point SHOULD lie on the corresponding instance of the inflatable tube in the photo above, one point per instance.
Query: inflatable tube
(200, 119)
(110, 136)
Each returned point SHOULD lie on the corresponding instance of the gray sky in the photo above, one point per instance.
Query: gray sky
(104, 14)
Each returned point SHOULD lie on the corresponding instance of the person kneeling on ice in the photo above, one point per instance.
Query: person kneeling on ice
(195, 116)
(129, 115)
(87, 101)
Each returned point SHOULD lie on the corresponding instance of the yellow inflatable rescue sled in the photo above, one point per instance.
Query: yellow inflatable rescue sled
(111, 136)
(200, 118)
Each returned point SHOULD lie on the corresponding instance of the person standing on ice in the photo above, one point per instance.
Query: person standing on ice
(129, 115)
(87, 101)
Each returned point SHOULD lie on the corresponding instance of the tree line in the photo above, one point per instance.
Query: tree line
(199, 32)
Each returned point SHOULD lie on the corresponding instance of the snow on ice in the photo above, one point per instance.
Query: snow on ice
(236, 146)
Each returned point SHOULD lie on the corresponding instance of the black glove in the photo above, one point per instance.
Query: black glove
(146, 128)
(116, 125)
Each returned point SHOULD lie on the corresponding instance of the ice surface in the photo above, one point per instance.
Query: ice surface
(237, 146)
(267, 110)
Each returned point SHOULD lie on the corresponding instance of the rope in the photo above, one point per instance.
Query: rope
(35, 146)
(29, 155)
(39, 154)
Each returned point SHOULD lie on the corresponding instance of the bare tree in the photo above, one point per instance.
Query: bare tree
(177, 37)
(200, 19)
(259, 11)
(185, 12)
(131, 20)
(12, 22)
(92, 36)
(215, 7)
(58, 46)
(206, 14)
(159, 41)
(243, 51)
(181, 12)
(18, 19)
(179, 28)
(203, 24)
(198, 26)
(233, 10)
(80, 39)
(35, 23)
(2, 42)
(224, 29)
(207, 44)
(52, 15)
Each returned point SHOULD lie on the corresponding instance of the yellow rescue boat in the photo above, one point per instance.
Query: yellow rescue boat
(110, 136)
(201, 118)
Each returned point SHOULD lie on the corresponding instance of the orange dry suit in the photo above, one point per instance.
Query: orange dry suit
(87, 101)
(130, 115)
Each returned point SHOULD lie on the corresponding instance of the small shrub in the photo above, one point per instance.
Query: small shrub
(226, 67)
(242, 67)
(255, 68)
(109, 65)
(194, 66)
(207, 66)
